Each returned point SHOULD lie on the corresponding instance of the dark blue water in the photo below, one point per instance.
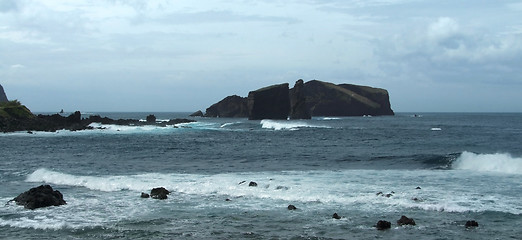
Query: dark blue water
(468, 165)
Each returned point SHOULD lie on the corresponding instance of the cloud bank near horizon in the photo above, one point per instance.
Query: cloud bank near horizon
(183, 56)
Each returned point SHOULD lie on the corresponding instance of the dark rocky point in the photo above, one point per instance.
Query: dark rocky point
(291, 207)
(405, 221)
(252, 184)
(198, 113)
(144, 195)
(38, 197)
(418, 188)
(3, 97)
(230, 107)
(336, 216)
(471, 223)
(271, 102)
(382, 225)
(159, 193)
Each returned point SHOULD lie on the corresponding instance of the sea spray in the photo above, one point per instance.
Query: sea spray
(498, 162)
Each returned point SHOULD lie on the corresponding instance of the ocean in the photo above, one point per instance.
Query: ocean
(441, 169)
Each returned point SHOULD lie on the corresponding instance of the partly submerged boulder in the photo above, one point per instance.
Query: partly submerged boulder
(271, 102)
(382, 225)
(159, 193)
(471, 223)
(405, 221)
(38, 197)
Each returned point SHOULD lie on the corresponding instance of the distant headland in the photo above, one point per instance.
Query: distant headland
(304, 100)
(16, 117)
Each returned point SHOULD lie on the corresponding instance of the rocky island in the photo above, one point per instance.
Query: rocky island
(304, 100)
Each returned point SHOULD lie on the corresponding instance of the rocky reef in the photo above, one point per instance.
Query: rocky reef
(304, 100)
(16, 117)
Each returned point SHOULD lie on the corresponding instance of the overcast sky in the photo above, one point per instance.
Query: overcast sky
(177, 55)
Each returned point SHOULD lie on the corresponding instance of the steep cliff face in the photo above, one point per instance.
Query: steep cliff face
(230, 107)
(328, 99)
(313, 98)
(272, 102)
(298, 107)
(3, 97)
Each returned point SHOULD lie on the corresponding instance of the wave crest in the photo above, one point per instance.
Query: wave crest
(287, 125)
(498, 162)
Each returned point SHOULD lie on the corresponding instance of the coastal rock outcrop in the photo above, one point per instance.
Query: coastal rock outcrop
(298, 106)
(3, 97)
(304, 100)
(328, 99)
(270, 102)
(38, 197)
(230, 107)
(16, 117)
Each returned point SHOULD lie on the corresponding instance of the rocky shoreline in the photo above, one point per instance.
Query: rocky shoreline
(73, 122)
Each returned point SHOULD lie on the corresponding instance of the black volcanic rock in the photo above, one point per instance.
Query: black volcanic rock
(382, 225)
(159, 193)
(38, 197)
(328, 99)
(230, 107)
(151, 118)
(3, 97)
(313, 98)
(298, 107)
(272, 102)
(405, 221)
(471, 223)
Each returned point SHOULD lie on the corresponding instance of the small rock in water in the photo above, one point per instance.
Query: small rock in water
(336, 216)
(252, 184)
(228, 200)
(241, 182)
(418, 188)
(38, 197)
(291, 207)
(382, 225)
(471, 223)
(405, 221)
(388, 195)
(159, 193)
(144, 195)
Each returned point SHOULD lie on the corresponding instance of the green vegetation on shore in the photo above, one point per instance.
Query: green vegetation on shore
(15, 109)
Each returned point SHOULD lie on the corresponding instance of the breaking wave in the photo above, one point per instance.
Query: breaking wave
(498, 162)
(287, 125)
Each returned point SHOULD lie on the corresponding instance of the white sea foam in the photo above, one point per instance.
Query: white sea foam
(319, 189)
(287, 125)
(329, 118)
(436, 129)
(498, 162)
